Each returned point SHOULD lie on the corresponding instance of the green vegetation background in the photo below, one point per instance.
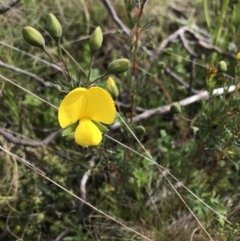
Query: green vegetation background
(173, 48)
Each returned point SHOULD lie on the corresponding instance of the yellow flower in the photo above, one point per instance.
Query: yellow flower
(85, 105)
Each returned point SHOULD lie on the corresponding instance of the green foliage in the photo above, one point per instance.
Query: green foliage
(199, 145)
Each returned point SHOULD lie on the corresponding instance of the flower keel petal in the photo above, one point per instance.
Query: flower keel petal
(87, 134)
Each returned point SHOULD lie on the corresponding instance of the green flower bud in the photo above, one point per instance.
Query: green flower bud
(118, 66)
(112, 87)
(59, 88)
(40, 217)
(33, 37)
(182, 90)
(175, 108)
(222, 66)
(194, 129)
(54, 27)
(96, 39)
(140, 130)
(161, 65)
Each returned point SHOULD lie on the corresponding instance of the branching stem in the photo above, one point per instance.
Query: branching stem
(136, 37)
(63, 60)
(98, 78)
(52, 59)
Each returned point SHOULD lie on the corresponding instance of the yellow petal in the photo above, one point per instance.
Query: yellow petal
(99, 105)
(87, 134)
(71, 106)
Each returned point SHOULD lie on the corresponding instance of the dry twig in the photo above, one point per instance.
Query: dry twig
(62, 235)
(21, 71)
(171, 73)
(8, 6)
(115, 17)
(20, 141)
(166, 108)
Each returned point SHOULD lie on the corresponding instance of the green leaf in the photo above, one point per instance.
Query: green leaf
(100, 126)
(69, 131)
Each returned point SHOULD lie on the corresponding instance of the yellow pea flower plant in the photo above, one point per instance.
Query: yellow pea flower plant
(85, 106)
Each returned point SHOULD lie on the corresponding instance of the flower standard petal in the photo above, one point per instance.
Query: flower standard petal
(100, 105)
(72, 107)
(87, 134)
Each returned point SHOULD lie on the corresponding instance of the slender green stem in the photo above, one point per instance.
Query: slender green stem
(222, 17)
(99, 77)
(70, 56)
(206, 12)
(52, 59)
(61, 56)
(90, 69)
(135, 48)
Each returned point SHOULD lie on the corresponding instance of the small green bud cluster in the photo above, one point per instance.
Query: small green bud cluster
(35, 38)
(118, 66)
